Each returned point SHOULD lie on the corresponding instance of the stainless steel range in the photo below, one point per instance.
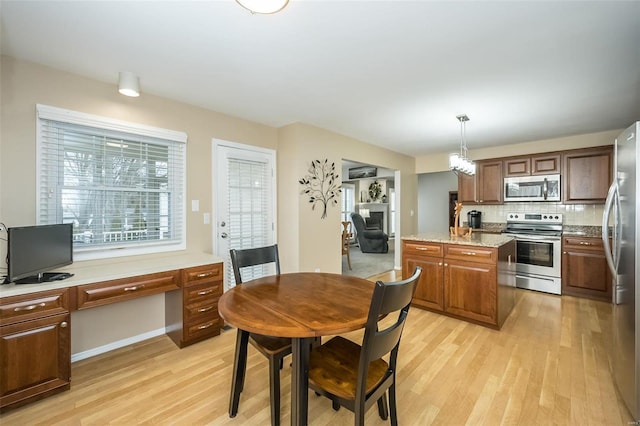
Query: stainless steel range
(538, 244)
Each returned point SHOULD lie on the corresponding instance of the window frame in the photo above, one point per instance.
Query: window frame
(49, 113)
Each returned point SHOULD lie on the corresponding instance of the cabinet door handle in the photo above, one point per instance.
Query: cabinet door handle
(208, 308)
(30, 307)
(204, 275)
(202, 327)
(446, 264)
(468, 253)
(63, 324)
(134, 288)
(440, 264)
(422, 248)
(584, 243)
(204, 292)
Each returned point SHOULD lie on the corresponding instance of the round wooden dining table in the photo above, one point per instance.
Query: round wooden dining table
(303, 306)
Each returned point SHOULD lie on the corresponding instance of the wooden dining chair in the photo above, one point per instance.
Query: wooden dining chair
(347, 234)
(273, 348)
(356, 376)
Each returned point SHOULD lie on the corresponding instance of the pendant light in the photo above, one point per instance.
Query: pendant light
(459, 162)
(263, 6)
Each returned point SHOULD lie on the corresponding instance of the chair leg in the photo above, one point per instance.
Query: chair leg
(274, 389)
(335, 405)
(383, 410)
(392, 404)
(239, 370)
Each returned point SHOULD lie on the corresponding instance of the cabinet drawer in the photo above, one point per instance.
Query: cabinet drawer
(106, 292)
(423, 249)
(201, 311)
(584, 243)
(198, 274)
(34, 305)
(209, 327)
(471, 253)
(201, 292)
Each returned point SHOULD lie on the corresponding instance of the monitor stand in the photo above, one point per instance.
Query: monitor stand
(44, 277)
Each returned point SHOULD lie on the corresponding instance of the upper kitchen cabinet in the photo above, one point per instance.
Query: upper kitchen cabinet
(483, 188)
(543, 164)
(587, 175)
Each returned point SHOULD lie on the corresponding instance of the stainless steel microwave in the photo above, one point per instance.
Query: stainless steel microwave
(532, 188)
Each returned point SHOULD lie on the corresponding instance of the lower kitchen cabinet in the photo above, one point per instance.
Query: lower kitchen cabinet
(35, 344)
(585, 272)
(429, 290)
(463, 281)
(471, 290)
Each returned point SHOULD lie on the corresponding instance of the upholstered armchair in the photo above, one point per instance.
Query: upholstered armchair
(369, 240)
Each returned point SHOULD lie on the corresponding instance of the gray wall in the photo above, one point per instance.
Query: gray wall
(433, 200)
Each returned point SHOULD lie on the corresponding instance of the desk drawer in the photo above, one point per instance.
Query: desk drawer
(203, 292)
(471, 253)
(199, 274)
(106, 292)
(201, 329)
(201, 311)
(25, 307)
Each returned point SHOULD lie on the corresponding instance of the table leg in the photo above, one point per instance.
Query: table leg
(300, 381)
(239, 371)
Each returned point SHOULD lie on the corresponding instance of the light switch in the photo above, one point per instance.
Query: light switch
(195, 205)
(207, 218)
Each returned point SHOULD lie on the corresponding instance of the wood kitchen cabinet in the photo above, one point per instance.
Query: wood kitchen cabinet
(191, 314)
(483, 188)
(585, 272)
(462, 281)
(35, 346)
(470, 283)
(430, 288)
(587, 175)
(532, 165)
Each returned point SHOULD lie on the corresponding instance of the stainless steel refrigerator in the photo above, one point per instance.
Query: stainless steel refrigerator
(623, 258)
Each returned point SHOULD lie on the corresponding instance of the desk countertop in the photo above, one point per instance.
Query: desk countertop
(476, 239)
(92, 271)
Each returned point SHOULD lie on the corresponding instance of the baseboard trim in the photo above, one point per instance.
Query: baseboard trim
(116, 345)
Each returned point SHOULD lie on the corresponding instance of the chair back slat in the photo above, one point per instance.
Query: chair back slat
(388, 298)
(243, 258)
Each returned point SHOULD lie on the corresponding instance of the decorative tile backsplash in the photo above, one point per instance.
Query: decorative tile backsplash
(573, 214)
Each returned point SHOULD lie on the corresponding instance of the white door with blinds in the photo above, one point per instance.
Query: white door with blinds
(245, 200)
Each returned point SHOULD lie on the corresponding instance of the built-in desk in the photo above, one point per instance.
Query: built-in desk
(35, 332)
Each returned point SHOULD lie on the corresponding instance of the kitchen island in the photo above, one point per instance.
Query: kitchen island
(469, 278)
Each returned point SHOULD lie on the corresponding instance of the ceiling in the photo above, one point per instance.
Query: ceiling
(389, 73)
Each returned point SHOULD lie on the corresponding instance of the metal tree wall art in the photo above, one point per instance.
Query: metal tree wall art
(321, 184)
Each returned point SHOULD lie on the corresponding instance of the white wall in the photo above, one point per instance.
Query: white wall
(433, 200)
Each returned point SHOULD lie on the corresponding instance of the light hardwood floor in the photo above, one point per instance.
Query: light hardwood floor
(548, 365)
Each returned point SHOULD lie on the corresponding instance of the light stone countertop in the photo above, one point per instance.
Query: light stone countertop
(93, 271)
(477, 239)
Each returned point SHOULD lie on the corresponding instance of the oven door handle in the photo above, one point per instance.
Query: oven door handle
(545, 189)
(522, 237)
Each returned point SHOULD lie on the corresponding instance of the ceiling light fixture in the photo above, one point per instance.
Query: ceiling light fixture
(263, 6)
(460, 162)
(128, 84)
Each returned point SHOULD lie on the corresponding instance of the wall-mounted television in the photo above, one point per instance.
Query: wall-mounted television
(33, 251)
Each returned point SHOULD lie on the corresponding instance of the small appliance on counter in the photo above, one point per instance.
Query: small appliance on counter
(474, 218)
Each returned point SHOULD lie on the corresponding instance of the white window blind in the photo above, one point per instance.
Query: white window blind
(348, 201)
(120, 184)
(249, 195)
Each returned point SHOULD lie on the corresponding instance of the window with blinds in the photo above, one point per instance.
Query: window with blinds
(249, 198)
(120, 184)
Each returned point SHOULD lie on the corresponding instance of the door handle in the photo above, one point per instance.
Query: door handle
(224, 235)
